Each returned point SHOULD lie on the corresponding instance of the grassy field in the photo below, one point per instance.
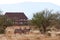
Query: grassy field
(30, 36)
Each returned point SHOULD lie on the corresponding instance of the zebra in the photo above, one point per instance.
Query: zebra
(24, 31)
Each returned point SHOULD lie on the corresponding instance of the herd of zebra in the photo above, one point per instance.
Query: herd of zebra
(22, 31)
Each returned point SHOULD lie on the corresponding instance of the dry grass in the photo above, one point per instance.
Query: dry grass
(30, 36)
(27, 37)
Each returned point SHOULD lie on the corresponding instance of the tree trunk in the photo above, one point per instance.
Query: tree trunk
(44, 29)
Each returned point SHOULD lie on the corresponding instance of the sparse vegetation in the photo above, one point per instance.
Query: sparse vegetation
(45, 19)
(4, 23)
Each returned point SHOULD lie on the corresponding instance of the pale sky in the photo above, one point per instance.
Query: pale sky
(29, 6)
(57, 2)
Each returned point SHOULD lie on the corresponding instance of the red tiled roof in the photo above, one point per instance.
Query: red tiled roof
(19, 15)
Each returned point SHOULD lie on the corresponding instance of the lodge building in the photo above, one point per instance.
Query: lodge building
(19, 18)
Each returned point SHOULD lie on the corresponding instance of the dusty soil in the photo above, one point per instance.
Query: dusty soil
(30, 36)
(27, 37)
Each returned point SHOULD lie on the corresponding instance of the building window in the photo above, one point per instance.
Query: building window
(21, 19)
(24, 19)
(8, 19)
(21, 23)
(16, 22)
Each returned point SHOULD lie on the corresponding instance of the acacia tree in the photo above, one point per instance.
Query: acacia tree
(44, 19)
(4, 23)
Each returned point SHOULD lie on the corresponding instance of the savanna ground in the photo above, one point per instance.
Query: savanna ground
(30, 36)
